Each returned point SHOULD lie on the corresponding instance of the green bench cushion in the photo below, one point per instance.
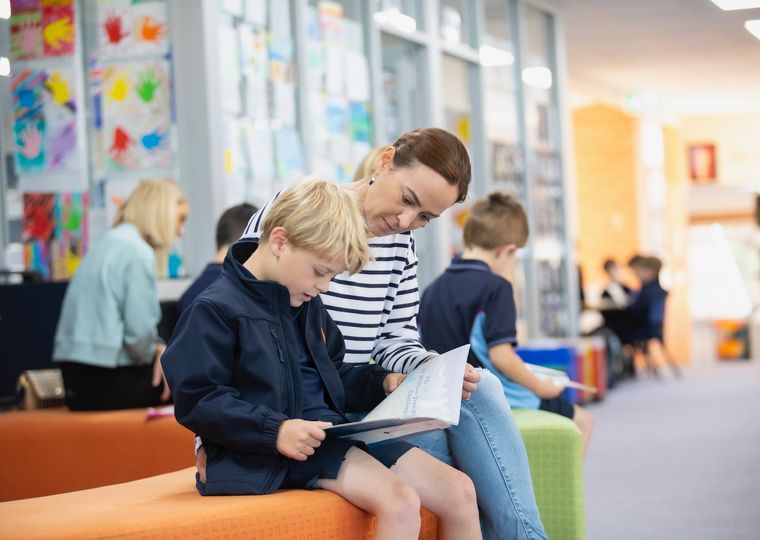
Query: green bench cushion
(553, 443)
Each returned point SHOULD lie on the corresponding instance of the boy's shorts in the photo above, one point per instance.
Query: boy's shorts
(329, 456)
(558, 405)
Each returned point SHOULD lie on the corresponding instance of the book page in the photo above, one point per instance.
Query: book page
(428, 398)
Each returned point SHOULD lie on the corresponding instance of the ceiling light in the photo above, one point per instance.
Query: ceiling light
(394, 17)
(5, 9)
(754, 27)
(540, 77)
(5, 66)
(491, 56)
(731, 5)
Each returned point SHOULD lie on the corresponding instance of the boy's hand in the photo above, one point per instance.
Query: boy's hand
(549, 390)
(297, 439)
(471, 380)
(391, 382)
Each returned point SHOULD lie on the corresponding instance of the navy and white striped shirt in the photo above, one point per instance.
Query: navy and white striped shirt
(375, 309)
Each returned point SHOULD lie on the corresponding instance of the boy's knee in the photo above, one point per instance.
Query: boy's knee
(403, 504)
(464, 491)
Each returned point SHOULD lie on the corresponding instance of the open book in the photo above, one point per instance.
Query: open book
(558, 377)
(429, 398)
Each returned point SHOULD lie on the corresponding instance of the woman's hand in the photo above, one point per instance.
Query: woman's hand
(391, 382)
(158, 373)
(470, 382)
(297, 439)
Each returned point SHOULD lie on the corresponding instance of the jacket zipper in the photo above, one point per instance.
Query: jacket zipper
(285, 370)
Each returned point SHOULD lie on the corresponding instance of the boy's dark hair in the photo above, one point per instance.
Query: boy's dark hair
(232, 223)
(609, 264)
(494, 221)
(636, 260)
(653, 263)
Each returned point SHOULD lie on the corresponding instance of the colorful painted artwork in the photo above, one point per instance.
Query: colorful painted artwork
(26, 33)
(42, 28)
(71, 238)
(58, 27)
(136, 114)
(38, 232)
(129, 29)
(44, 126)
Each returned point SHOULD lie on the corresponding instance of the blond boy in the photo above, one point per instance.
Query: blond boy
(256, 369)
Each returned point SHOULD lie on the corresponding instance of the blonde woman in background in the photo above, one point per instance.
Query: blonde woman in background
(107, 343)
(368, 164)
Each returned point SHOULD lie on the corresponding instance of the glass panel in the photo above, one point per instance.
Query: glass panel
(339, 89)
(500, 106)
(549, 245)
(403, 97)
(503, 149)
(457, 107)
(262, 150)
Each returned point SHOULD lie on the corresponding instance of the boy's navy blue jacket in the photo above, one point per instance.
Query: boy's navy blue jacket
(233, 370)
(648, 310)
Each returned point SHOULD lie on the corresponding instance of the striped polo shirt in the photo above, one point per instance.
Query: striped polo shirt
(375, 309)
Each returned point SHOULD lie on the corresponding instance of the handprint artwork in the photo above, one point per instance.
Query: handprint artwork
(26, 35)
(149, 30)
(129, 29)
(44, 127)
(58, 30)
(148, 84)
(137, 114)
(42, 29)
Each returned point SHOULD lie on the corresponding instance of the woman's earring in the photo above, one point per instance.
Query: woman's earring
(372, 180)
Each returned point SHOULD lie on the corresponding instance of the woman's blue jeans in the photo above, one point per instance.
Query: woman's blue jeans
(488, 447)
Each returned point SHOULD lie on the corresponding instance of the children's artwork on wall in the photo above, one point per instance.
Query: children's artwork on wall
(42, 28)
(38, 231)
(116, 193)
(129, 29)
(58, 27)
(44, 126)
(136, 114)
(71, 238)
(289, 155)
(26, 32)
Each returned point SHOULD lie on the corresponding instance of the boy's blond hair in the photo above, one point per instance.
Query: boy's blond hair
(322, 218)
(494, 221)
(152, 208)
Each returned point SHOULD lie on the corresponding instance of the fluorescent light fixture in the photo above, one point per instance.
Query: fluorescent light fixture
(5, 66)
(753, 27)
(540, 77)
(731, 5)
(491, 56)
(393, 17)
(5, 9)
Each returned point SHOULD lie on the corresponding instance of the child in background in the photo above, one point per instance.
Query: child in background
(473, 302)
(229, 229)
(647, 310)
(256, 369)
(616, 292)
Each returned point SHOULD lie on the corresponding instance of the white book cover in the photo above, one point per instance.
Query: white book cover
(428, 398)
(560, 378)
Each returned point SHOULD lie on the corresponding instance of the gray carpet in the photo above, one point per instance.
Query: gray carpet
(677, 459)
